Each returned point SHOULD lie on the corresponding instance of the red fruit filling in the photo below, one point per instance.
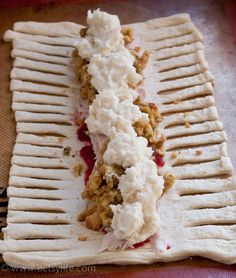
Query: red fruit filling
(88, 156)
(158, 160)
(82, 133)
(140, 244)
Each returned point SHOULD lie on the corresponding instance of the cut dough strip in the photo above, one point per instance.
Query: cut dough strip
(44, 194)
(18, 85)
(186, 81)
(41, 99)
(185, 187)
(33, 245)
(42, 66)
(192, 104)
(225, 215)
(29, 107)
(183, 72)
(196, 140)
(23, 231)
(197, 155)
(29, 204)
(41, 57)
(15, 216)
(167, 32)
(43, 48)
(179, 41)
(197, 116)
(10, 35)
(168, 21)
(30, 150)
(40, 162)
(213, 231)
(200, 90)
(222, 166)
(36, 128)
(59, 29)
(29, 117)
(181, 61)
(42, 183)
(41, 140)
(213, 200)
(176, 51)
(41, 173)
(205, 127)
(37, 76)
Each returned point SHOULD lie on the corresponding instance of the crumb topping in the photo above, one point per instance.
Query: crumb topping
(198, 152)
(78, 169)
(87, 91)
(83, 32)
(141, 61)
(187, 125)
(149, 129)
(128, 35)
(66, 151)
(82, 238)
(102, 190)
(169, 181)
(173, 155)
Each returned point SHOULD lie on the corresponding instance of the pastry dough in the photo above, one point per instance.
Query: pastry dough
(197, 214)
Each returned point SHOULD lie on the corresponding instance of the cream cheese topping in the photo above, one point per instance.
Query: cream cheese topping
(140, 184)
(126, 150)
(127, 221)
(106, 122)
(138, 178)
(107, 113)
(113, 71)
(113, 113)
(103, 35)
(125, 92)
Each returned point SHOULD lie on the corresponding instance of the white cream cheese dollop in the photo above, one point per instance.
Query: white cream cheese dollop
(106, 122)
(127, 221)
(103, 35)
(138, 178)
(141, 184)
(113, 71)
(107, 113)
(125, 92)
(126, 150)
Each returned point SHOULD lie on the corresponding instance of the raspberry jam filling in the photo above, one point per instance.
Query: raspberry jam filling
(86, 152)
(82, 133)
(158, 159)
(140, 244)
(88, 156)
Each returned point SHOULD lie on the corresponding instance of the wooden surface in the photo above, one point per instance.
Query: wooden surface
(209, 16)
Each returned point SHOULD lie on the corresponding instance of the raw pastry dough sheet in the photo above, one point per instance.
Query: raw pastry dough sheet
(193, 213)
(67, 230)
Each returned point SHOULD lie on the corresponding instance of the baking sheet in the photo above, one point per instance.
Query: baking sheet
(220, 52)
